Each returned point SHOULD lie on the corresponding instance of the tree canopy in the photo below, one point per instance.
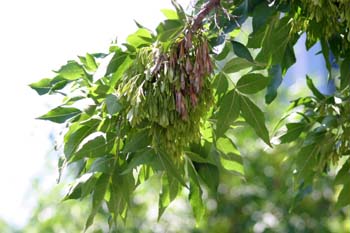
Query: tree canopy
(172, 103)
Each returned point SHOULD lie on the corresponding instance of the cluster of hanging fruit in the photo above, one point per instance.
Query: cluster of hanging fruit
(169, 90)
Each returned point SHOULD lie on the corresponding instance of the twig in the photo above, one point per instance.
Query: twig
(207, 8)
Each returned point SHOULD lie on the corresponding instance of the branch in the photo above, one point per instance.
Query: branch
(198, 19)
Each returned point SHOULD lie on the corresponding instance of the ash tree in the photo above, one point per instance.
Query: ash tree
(168, 102)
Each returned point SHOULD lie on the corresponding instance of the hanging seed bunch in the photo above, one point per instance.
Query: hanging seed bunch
(169, 90)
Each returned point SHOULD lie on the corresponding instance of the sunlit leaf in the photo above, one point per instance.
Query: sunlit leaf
(60, 114)
(236, 64)
(71, 71)
(314, 90)
(252, 83)
(168, 29)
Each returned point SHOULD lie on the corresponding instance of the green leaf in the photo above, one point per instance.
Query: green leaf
(220, 83)
(169, 29)
(227, 147)
(42, 87)
(142, 37)
(326, 54)
(275, 42)
(169, 191)
(195, 194)
(117, 66)
(230, 157)
(90, 63)
(103, 164)
(306, 162)
(224, 52)
(180, 11)
(275, 75)
(170, 167)
(82, 187)
(255, 118)
(96, 147)
(209, 173)
(117, 60)
(228, 112)
(343, 198)
(345, 73)
(170, 14)
(314, 90)
(71, 71)
(73, 140)
(196, 157)
(293, 132)
(261, 15)
(236, 64)
(139, 158)
(241, 51)
(60, 114)
(113, 104)
(137, 142)
(97, 198)
(252, 83)
(343, 174)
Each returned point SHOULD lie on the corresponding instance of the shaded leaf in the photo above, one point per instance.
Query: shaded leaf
(97, 198)
(82, 187)
(228, 112)
(293, 132)
(113, 104)
(103, 164)
(275, 75)
(195, 194)
(209, 173)
(169, 166)
(137, 142)
(139, 158)
(241, 51)
(220, 83)
(345, 73)
(255, 118)
(73, 140)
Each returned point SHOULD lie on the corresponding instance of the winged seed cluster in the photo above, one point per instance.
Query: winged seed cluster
(169, 90)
